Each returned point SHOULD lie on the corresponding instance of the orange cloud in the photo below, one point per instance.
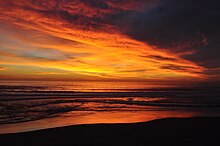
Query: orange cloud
(75, 37)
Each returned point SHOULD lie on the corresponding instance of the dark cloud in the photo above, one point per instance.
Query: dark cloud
(207, 56)
(157, 57)
(129, 5)
(170, 22)
(215, 71)
(179, 68)
(174, 67)
(136, 70)
(189, 28)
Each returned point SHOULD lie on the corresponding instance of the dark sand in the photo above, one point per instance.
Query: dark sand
(169, 132)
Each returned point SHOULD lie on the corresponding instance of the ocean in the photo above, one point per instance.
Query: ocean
(33, 105)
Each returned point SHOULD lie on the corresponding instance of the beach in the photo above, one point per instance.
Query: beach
(29, 106)
(169, 131)
(109, 73)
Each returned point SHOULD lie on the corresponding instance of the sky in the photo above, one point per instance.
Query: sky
(143, 40)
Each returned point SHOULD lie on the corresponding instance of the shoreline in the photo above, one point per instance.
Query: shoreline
(168, 131)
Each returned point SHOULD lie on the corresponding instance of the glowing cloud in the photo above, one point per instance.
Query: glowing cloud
(83, 40)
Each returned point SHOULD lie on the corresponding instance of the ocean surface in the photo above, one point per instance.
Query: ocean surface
(33, 105)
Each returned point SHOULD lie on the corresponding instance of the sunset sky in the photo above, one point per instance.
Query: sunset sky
(152, 40)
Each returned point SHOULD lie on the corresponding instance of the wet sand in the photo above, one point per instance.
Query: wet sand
(171, 131)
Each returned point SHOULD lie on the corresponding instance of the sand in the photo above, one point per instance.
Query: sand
(170, 132)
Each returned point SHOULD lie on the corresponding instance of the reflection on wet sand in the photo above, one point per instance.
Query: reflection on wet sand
(26, 106)
(91, 117)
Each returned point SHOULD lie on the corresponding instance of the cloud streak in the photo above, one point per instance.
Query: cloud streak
(102, 39)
